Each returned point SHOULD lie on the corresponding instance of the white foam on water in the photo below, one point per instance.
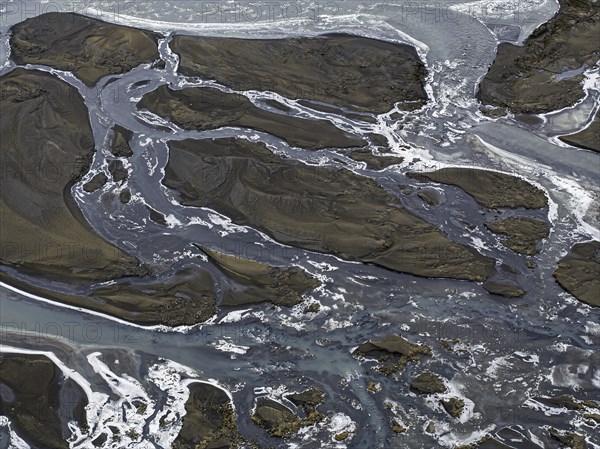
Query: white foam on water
(341, 422)
(15, 441)
(235, 316)
(545, 409)
(133, 408)
(168, 376)
(592, 328)
(528, 357)
(227, 346)
(332, 324)
(228, 226)
(590, 86)
(496, 365)
(447, 436)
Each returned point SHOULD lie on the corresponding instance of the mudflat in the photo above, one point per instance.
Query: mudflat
(357, 73)
(545, 74)
(317, 208)
(202, 108)
(89, 48)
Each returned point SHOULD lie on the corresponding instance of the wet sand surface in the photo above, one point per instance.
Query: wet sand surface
(522, 235)
(45, 128)
(490, 189)
(255, 282)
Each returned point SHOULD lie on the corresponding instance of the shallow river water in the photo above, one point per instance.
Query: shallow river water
(512, 351)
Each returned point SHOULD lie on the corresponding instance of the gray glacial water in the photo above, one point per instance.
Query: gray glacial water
(511, 353)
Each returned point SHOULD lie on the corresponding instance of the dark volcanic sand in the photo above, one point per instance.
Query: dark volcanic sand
(579, 272)
(313, 207)
(46, 147)
(522, 235)
(186, 298)
(490, 189)
(504, 287)
(354, 72)
(97, 182)
(588, 138)
(120, 146)
(278, 419)
(90, 48)
(35, 408)
(524, 78)
(374, 162)
(202, 108)
(255, 282)
(118, 171)
(209, 422)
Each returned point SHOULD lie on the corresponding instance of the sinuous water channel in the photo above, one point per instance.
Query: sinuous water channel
(504, 352)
